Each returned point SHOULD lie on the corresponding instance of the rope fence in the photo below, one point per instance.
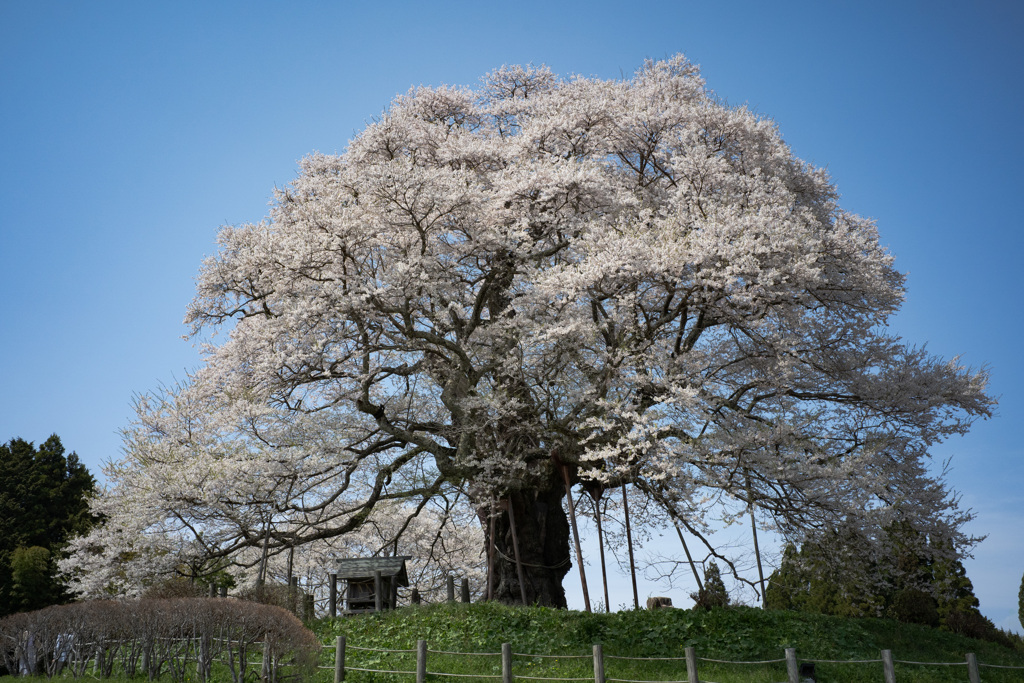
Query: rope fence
(796, 669)
(83, 654)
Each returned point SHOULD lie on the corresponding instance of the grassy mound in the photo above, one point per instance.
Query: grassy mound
(736, 633)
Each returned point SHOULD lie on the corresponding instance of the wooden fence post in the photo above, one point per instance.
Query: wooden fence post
(213, 590)
(332, 604)
(421, 661)
(791, 667)
(293, 595)
(464, 591)
(691, 666)
(506, 663)
(450, 585)
(598, 663)
(972, 668)
(339, 659)
(223, 591)
(415, 597)
(377, 588)
(888, 668)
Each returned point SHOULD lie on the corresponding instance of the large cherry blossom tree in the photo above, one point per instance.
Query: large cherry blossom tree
(615, 281)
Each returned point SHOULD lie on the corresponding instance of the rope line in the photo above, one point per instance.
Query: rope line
(567, 560)
(1000, 666)
(729, 661)
(441, 673)
(903, 661)
(379, 649)
(379, 671)
(540, 678)
(648, 659)
(841, 661)
(471, 654)
(523, 654)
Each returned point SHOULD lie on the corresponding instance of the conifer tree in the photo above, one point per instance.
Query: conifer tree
(713, 593)
(43, 502)
(1020, 602)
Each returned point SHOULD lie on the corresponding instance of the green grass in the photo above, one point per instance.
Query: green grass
(738, 633)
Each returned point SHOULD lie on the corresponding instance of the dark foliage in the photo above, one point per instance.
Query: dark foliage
(915, 582)
(43, 502)
(913, 606)
(1020, 602)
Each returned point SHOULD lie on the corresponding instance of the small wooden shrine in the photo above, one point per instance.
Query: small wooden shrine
(366, 578)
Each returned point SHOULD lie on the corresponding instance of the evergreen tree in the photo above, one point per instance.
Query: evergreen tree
(915, 579)
(43, 502)
(714, 593)
(1020, 602)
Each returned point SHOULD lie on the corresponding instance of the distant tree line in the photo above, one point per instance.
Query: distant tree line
(43, 502)
(914, 581)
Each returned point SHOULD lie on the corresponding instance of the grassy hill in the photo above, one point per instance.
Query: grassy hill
(738, 633)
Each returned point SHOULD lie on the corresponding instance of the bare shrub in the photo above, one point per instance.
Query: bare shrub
(175, 587)
(276, 594)
(175, 637)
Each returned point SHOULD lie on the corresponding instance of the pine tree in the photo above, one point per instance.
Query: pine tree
(43, 502)
(1020, 602)
(714, 593)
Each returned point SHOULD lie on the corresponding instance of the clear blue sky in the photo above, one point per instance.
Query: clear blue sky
(129, 132)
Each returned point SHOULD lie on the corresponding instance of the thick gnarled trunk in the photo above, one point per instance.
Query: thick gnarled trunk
(542, 533)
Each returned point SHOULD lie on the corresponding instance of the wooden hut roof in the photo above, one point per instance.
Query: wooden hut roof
(362, 568)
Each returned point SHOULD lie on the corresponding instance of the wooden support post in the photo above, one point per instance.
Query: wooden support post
(293, 595)
(629, 547)
(265, 669)
(888, 668)
(506, 663)
(332, 601)
(415, 599)
(450, 585)
(309, 609)
(490, 559)
(600, 546)
(686, 549)
(691, 666)
(464, 591)
(339, 659)
(421, 661)
(378, 589)
(973, 675)
(791, 667)
(598, 663)
(213, 590)
(515, 551)
(576, 538)
(757, 554)
(223, 591)
(393, 583)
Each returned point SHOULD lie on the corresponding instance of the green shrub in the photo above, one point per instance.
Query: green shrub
(912, 606)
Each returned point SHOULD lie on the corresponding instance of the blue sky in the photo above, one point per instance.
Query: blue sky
(132, 131)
